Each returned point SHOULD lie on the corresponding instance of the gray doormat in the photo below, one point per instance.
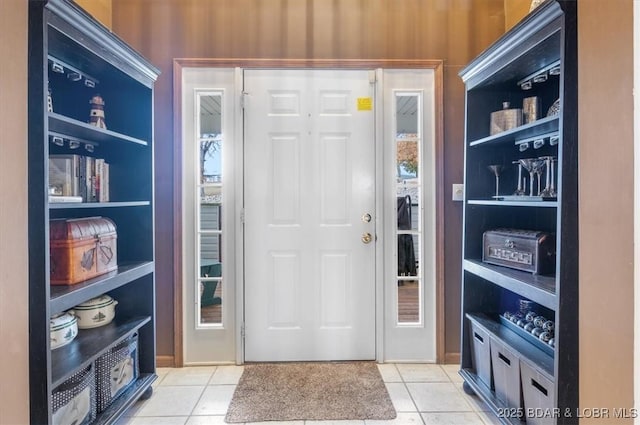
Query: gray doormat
(310, 390)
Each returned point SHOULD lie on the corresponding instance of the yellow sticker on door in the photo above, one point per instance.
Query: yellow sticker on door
(365, 104)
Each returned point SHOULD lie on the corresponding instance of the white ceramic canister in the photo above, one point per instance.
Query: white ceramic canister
(96, 312)
(63, 329)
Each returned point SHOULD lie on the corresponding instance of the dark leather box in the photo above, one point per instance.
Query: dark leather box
(527, 250)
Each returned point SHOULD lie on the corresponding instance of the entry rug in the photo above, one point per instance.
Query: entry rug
(310, 390)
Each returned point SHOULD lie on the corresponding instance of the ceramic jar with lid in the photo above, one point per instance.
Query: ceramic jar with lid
(63, 329)
(96, 312)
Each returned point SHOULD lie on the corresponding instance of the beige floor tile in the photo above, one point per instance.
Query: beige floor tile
(214, 401)
(206, 420)
(489, 418)
(438, 397)
(161, 371)
(276, 423)
(452, 372)
(226, 375)
(137, 406)
(403, 418)
(153, 420)
(476, 402)
(345, 422)
(400, 397)
(171, 401)
(422, 373)
(389, 372)
(451, 418)
(189, 376)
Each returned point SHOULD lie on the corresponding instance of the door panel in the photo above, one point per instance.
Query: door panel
(309, 179)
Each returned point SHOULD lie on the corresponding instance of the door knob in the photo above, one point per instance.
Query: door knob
(366, 237)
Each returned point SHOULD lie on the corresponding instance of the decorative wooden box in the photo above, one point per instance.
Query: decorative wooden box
(505, 119)
(527, 250)
(81, 249)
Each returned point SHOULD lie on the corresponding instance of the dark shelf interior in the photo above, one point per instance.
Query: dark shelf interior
(530, 204)
(85, 205)
(537, 288)
(64, 297)
(542, 126)
(74, 129)
(88, 345)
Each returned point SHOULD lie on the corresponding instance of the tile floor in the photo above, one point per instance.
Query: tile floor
(422, 394)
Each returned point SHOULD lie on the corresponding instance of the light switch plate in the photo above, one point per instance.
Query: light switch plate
(457, 192)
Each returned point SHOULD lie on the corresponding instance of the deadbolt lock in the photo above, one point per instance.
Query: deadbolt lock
(366, 218)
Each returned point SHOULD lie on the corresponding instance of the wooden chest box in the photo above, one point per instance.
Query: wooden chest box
(526, 250)
(81, 249)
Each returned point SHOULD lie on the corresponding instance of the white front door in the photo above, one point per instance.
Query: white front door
(309, 205)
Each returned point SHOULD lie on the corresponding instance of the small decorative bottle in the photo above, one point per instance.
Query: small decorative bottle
(97, 112)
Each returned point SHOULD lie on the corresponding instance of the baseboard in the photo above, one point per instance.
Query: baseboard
(165, 361)
(452, 358)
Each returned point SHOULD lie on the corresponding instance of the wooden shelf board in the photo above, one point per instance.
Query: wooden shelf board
(75, 129)
(539, 127)
(89, 345)
(75, 205)
(132, 394)
(488, 396)
(539, 289)
(64, 297)
(529, 352)
(532, 204)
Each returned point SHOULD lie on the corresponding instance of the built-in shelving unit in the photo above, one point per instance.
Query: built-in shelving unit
(75, 58)
(535, 59)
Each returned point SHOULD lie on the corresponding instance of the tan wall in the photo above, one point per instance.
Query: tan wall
(14, 319)
(455, 31)
(99, 9)
(514, 11)
(605, 81)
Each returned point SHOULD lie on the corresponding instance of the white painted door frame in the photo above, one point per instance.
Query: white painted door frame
(238, 184)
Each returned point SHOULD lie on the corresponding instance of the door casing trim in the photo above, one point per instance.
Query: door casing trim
(178, 64)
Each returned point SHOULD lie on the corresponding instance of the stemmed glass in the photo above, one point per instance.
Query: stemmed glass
(536, 167)
(549, 189)
(496, 168)
(520, 190)
(527, 163)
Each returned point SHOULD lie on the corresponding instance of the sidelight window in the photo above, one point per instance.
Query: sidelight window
(209, 290)
(408, 136)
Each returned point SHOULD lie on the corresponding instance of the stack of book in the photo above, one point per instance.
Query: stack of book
(78, 178)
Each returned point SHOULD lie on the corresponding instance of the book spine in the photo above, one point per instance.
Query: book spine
(91, 189)
(99, 179)
(82, 180)
(76, 176)
(106, 183)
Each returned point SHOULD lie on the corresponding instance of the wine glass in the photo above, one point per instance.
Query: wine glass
(520, 190)
(496, 168)
(527, 163)
(549, 189)
(536, 166)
